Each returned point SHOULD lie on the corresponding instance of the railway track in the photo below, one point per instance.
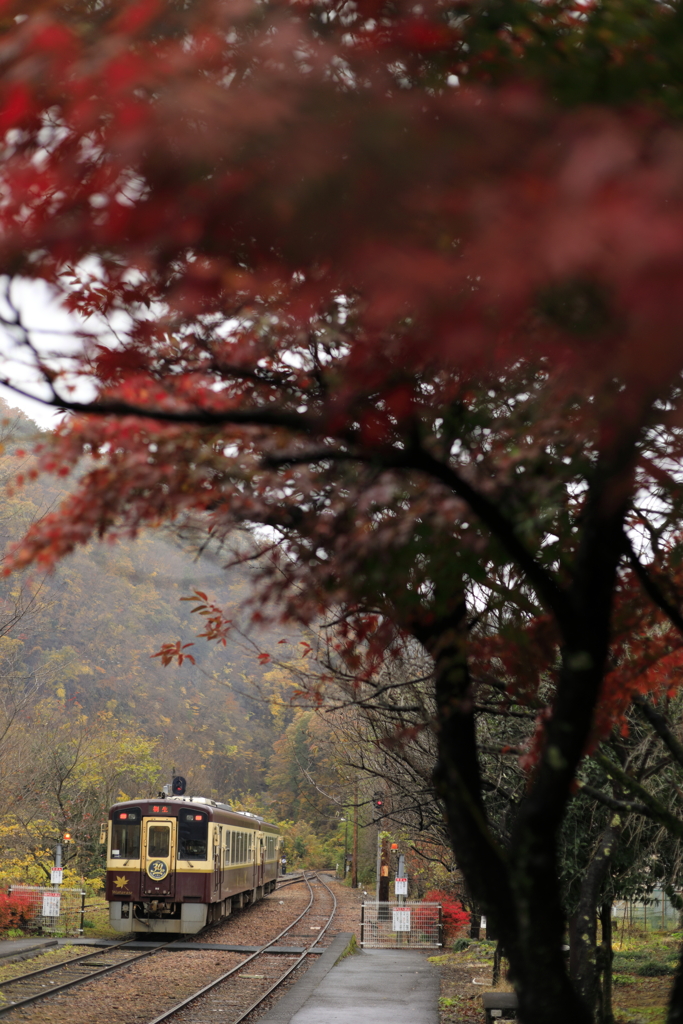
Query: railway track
(35, 985)
(235, 994)
(252, 980)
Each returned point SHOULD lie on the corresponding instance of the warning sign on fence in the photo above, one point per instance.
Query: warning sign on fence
(400, 920)
(50, 905)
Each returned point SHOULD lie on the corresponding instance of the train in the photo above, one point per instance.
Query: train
(176, 864)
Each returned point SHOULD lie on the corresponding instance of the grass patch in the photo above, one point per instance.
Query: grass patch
(350, 950)
(643, 969)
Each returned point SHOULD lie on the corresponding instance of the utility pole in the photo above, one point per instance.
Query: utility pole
(378, 867)
(354, 861)
(378, 813)
(383, 888)
(346, 847)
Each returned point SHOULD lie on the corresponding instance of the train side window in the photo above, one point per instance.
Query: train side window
(125, 835)
(193, 833)
(227, 846)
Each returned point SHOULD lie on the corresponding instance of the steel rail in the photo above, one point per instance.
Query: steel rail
(76, 981)
(223, 977)
(292, 967)
(64, 963)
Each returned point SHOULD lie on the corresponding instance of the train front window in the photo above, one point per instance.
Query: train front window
(125, 835)
(192, 836)
(158, 841)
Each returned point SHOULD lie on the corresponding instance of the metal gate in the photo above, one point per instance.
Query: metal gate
(52, 911)
(401, 925)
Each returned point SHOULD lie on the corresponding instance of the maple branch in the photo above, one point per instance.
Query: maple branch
(488, 511)
(488, 710)
(651, 588)
(198, 417)
(622, 806)
(660, 726)
(500, 526)
(487, 748)
(655, 809)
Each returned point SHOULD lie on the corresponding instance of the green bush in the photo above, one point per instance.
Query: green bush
(654, 969)
(460, 944)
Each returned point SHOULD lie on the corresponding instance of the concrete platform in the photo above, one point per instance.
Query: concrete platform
(375, 986)
(22, 947)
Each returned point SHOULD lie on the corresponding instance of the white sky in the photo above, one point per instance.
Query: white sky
(52, 329)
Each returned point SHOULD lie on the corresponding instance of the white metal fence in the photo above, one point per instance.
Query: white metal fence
(401, 925)
(51, 911)
(656, 912)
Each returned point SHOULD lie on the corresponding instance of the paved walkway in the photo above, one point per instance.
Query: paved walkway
(375, 986)
(14, 947)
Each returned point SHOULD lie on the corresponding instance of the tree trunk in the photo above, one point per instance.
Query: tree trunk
(519, 891)
(675, 1014)
(518, 888)
(497, 956)
(583, 964)
(606, 956)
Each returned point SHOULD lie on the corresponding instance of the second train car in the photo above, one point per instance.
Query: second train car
(180, 863)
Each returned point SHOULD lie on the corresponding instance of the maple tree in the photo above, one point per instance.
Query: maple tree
(396, 288)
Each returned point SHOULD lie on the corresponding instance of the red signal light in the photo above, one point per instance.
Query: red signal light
(197, 817)
(123, 816)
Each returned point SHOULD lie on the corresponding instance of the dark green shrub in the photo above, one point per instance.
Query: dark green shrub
(654, 968)
(460, 944)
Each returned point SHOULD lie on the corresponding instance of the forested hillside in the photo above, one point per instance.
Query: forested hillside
(89, 715)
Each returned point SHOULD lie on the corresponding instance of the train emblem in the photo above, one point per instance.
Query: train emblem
(157, 870)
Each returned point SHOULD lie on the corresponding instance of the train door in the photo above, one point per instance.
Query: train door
(260, 860)
(158, 856)
(226, 858)
(217, 854)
